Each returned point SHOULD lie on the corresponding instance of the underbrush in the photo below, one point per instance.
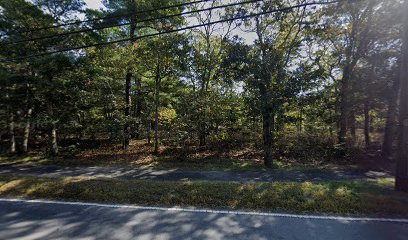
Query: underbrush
(306, 148)
(291, 150)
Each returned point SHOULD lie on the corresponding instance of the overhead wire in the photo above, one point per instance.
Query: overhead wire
(116, 16)
(174, 30)
(130, 23)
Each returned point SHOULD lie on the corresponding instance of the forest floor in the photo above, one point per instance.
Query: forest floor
(216, 157)
(141, 155)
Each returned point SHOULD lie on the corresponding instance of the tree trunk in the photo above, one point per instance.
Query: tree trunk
(352, 120)
(344, 105)
(337, 109)
(52, 135)
(367, 124)
(202, 119)
(300, 120)
(128, 100)
(267, 138)
(53, 140)
(29, 111)
(401, 179)
(345, 86)
(12, 135)
(27, 130)
(202, 137)
(149, 128)
(389, 131)
(357, 44)
(138, 105)
(156, 125)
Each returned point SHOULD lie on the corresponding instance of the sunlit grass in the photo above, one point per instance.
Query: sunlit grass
(370, 197)
(36, 159)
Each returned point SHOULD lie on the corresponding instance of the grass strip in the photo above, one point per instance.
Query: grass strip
(367, 197)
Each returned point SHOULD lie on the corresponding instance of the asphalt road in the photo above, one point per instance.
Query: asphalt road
(39, 220)
(180, 174)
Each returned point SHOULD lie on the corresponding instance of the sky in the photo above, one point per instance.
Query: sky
(97, 4)
(94, 4)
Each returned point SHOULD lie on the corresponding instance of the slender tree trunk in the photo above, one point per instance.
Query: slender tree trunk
(267, 119)
(204, 121)
(138, 105)
(344, 104)
(367, 123)
(156, 125)
(29, 112)
(52, 125)
(128, 100)
(358, 42)
(12, 135)
(267, 116)
(345, 86)
(149, 128)
(27, 129)
(401, 179)
(352, 119)
(202, 137)
(300, 121)
(389, 131)
(52, 135)
(53, 140)
(337, 109)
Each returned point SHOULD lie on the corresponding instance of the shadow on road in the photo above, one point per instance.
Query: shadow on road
(55, 221)
(179, 175)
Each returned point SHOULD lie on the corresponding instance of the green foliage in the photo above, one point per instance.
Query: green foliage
(213, 86)
(306, 147)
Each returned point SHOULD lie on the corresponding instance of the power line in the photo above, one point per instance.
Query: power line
(125, 24)
(116, 16)
(173, 31)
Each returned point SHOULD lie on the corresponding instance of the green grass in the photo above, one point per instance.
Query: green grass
(374, 198)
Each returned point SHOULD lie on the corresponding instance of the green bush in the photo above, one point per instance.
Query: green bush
(306, 147)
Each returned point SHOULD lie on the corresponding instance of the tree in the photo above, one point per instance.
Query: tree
(351, 34)
(129, 8)
(208, 49)
(401, 179)
(19, 15)
(307, 70)
(130, 12)
(279, 38)
(163, 58)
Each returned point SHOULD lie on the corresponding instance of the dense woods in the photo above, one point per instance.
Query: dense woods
(309, 83)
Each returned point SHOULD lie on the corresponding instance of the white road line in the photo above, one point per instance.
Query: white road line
(176, 209)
